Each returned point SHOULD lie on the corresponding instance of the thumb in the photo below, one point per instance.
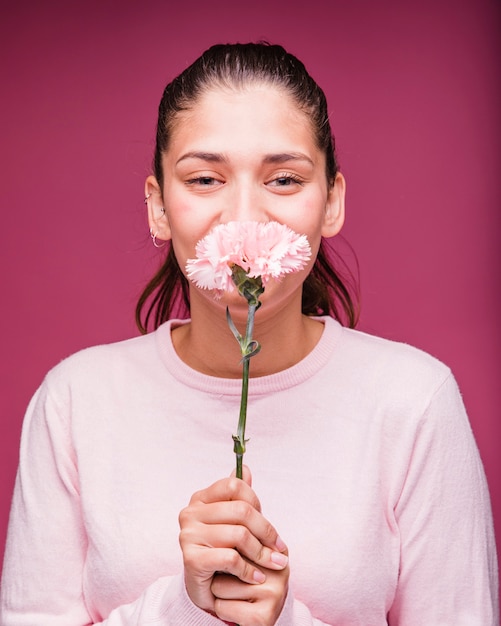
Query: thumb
(246, 475)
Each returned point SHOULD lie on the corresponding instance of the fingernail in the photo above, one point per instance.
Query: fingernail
(280, 545)
(279, 559)
(258, 576)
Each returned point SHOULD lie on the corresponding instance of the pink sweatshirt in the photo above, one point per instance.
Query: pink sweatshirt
(361, 454)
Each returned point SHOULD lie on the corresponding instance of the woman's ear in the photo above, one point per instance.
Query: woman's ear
(157, 217)
(334, 208)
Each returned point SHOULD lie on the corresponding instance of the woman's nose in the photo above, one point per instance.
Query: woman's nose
(246, 202)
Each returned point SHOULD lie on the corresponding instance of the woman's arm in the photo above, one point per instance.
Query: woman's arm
(448, 570)
(43, 575)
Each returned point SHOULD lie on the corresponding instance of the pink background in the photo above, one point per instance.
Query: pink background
(414, 91)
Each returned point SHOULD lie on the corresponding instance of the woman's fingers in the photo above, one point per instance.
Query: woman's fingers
(205, 562)
(243, 516)
(238, 539)
(227, 489)
(250, 604)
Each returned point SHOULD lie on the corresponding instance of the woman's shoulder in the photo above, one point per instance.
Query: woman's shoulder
(391, 377)
(108, 359)
(385, 361)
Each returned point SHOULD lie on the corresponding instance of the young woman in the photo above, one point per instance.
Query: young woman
(367, 503)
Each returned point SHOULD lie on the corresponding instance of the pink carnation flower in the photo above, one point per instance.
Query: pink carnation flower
(266, 249)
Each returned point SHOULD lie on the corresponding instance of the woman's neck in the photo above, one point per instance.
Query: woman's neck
(207, 345)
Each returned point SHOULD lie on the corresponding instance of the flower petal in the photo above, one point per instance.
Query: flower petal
(266, 249)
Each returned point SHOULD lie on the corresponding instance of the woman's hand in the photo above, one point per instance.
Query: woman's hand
(223, 532)
(250, 605)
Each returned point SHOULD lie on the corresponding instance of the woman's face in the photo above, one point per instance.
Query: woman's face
(245, 154)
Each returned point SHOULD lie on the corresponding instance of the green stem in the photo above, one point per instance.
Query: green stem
(239, 439)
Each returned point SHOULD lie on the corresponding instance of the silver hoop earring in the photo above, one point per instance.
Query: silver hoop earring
(162, 210)
(147, 198)
(154, 239)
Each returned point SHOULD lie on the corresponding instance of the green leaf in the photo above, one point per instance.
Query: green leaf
(233, 328)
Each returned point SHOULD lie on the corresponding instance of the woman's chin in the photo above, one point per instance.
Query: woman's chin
(276, 295)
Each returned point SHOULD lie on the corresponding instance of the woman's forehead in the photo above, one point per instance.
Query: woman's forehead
(256, 109)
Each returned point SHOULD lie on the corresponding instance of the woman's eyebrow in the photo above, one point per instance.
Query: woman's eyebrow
(283, 157)
(212, 157)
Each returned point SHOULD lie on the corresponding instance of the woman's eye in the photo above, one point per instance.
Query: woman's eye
(204, 181)
(286, 180)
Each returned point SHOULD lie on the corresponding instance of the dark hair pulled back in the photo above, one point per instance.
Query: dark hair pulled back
(234, 66)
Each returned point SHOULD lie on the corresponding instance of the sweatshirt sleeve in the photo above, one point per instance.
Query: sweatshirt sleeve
(44, 564)
(448, 569)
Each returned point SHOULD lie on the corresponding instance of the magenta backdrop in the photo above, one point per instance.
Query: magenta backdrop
(414, 91)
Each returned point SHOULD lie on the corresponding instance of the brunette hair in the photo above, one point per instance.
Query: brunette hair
(326, 291)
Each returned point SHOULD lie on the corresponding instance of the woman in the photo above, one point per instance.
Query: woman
(368, 503)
